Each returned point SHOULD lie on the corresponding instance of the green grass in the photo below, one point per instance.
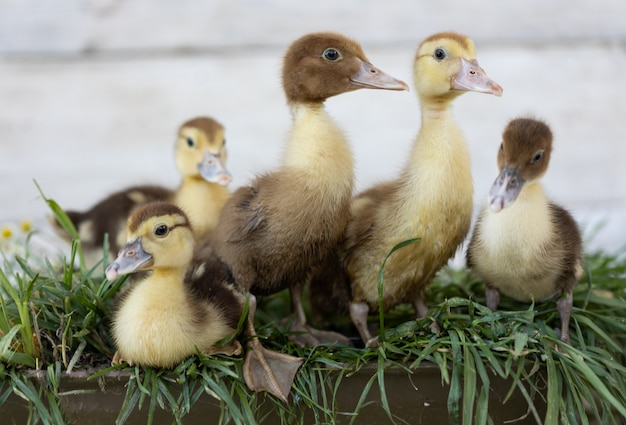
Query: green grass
(55, 319)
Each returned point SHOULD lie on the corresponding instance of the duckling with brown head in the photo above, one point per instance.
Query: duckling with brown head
(524, 245)
(274, 232)
(432, 199)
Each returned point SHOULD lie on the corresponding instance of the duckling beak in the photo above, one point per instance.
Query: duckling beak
(506, 188)
(370, 77)
(473, 78)
(131, 258)
(213, 170)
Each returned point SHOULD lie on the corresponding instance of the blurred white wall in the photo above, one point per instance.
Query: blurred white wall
(92, 92)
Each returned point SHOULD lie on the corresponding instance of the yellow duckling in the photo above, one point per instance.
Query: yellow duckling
(524, 245)
(188, 303)
(200, 158)
(432, 199)
(180, 307)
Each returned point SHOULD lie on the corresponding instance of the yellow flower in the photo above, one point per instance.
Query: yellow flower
(7, 232)
(26, 225)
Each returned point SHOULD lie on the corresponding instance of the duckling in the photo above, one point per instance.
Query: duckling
(187, 304)
(523, 244)
(432, 199)
(200, 158)
(274, 232)
(180, 307)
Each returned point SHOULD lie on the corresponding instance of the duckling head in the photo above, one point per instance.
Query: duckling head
(201, 151)
(320, 65)
(445, 66)
(159, 237)
(523, 158)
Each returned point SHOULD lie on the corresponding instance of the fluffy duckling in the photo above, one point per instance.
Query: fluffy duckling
(200, 158)
(179, 308)
(187, 304)
(432, 199)
(274, 232)
(524, 245)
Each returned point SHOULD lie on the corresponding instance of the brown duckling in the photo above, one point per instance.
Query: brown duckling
(274, 232)
(524, 245)
(432, 199)
(200, 158)
(180, 307)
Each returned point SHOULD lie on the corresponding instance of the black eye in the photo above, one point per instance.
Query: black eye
(331, 54)
(502, 146)
(190, 142)
(440, 54)
(161, 230)
(224, 142)
(537, 156)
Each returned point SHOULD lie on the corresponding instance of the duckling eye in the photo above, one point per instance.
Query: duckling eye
(224, 142)
(161, 230)
(440, 54)
(537, 156)
(331, 54)
(502, 146)
(190, 142)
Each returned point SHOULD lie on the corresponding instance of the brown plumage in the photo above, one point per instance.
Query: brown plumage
(182, 306)
(432, 198)
(275, 231)
(524, 245)
(200, 157)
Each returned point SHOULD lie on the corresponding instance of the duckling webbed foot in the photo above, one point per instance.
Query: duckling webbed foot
(118, 359)
(233, 348)
(304, 335)
(266, 370)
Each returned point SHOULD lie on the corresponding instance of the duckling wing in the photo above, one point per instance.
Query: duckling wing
(367, 212)
(569, 242)
(245, 214)
(210, 281)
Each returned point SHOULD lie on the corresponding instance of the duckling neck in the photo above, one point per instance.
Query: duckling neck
(202, 201)
(317, 146)
(436, 182)
(439, 158)
(167, 279)
(530, 212)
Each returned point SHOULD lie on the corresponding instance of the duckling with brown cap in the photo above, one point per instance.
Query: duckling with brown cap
(524, 245)
(273, 233)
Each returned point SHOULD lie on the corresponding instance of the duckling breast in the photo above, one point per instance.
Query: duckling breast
(157, 325)
(515, 250)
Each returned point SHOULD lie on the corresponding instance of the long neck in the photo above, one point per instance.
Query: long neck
(317, 146)
(439, 158)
